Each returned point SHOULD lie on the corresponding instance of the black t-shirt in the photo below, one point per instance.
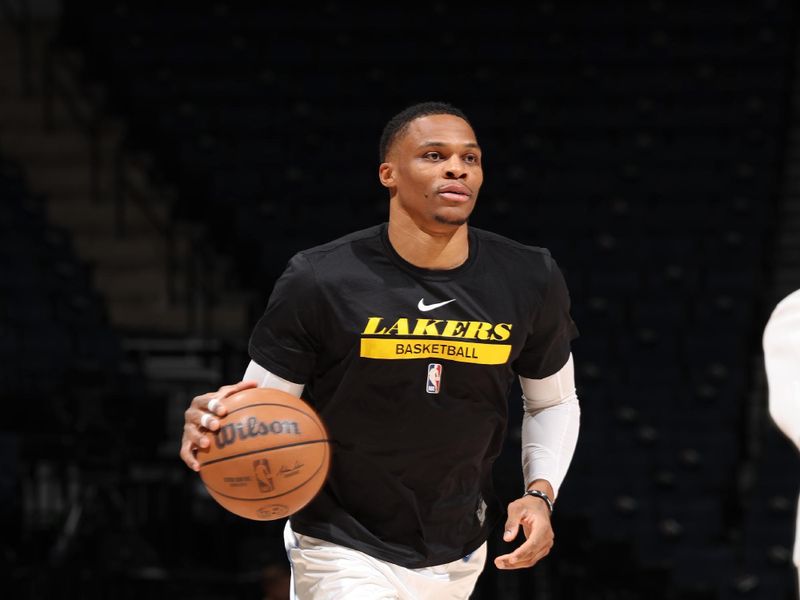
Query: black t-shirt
(410, 370)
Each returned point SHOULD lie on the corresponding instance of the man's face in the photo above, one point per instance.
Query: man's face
(434, 171)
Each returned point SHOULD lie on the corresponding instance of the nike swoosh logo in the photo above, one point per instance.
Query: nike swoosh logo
(426, 307)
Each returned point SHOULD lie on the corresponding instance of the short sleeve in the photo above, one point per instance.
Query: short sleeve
(547, 347)
(285, 339)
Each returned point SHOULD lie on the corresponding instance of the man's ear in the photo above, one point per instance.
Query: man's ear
(386, 174)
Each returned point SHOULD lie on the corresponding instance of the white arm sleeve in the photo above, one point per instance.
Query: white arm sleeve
(550, 426)
(265, 379)
(782, 361)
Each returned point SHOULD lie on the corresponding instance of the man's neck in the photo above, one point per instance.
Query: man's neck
(445, 248)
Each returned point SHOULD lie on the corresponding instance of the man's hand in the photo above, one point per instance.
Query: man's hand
(534, 516)
(202, 416)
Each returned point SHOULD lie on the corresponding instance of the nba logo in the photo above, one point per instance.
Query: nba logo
(263, 475)
(434, 381)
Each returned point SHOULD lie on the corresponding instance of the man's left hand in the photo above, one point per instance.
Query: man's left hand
(533, 516)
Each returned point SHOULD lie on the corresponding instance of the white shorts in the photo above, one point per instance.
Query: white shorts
(326, 571)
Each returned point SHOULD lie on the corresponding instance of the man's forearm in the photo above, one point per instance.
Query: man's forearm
(550, 429)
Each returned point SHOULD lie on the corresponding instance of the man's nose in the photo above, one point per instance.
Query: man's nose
(455, 168)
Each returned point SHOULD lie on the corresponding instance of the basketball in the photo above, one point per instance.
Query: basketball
(269, 458)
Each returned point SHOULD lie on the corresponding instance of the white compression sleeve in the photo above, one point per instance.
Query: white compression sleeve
(781, 344)
(550, 426)
(265, 379)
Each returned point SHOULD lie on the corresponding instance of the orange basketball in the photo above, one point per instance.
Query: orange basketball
(270, 456)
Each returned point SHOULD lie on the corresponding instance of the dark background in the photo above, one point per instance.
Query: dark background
(160, 163)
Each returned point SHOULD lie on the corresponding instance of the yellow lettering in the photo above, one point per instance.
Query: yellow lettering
(400, 327)
(502, 331)
(455, 328)
(467, 352)
(426, 327)
(479, 330)
(475, 330)
(372, 326)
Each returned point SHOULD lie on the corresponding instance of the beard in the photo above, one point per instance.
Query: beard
(446, 221)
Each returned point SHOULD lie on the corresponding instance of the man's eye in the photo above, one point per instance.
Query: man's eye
(471, 158)
(433, 155)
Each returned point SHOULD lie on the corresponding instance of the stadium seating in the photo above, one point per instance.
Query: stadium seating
(54, 325)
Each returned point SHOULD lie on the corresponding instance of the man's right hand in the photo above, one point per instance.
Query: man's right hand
(202, 416)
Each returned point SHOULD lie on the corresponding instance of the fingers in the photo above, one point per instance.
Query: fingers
(224, 392)
(205, 408)
(522, 560)
(516, 514)
(511, 528)
(193, 438)
(207, 421)
(202, 416)
(196, 436)
(212, 402)
(528, 554)
(197, 424)
(188, 455)
(200, 420)
(539, 534)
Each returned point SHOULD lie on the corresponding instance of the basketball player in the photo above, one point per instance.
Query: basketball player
(782, 360)
(405, 337)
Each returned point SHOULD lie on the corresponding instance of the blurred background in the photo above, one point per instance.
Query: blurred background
(160, 163)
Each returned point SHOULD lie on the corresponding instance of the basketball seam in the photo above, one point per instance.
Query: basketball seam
(216, 460)
(273, 404)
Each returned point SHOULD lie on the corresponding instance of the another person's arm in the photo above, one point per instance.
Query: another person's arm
(781, 344)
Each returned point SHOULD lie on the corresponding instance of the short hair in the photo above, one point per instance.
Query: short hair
(399, 123)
